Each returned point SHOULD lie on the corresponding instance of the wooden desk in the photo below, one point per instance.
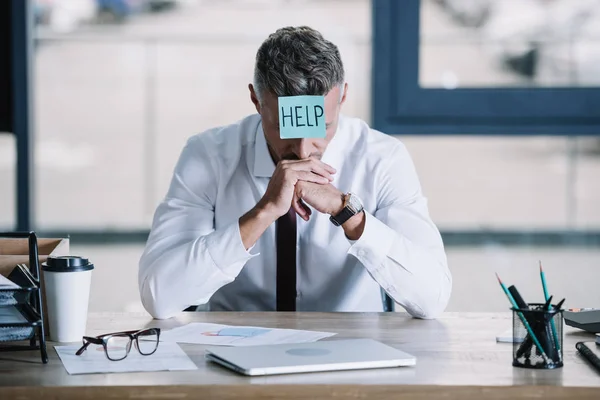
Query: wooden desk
(457, 357)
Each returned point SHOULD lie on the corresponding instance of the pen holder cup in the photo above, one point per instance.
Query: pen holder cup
(534, 328)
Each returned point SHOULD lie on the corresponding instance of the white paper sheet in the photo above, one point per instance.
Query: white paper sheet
(228, 335)
(168, 357)
(6, 283)
(10, 315)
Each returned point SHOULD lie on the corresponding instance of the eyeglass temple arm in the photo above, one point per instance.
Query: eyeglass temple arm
(88, 340)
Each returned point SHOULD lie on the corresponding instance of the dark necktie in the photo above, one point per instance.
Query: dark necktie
(286, 261)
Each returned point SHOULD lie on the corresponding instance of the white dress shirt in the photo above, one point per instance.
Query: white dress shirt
(195, 253)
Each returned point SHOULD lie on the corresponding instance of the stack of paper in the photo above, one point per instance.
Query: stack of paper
(227, 335)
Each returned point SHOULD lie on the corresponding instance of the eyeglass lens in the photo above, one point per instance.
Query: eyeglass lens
(147, 341)
(118, 346)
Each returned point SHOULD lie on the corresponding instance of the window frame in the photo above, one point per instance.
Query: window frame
(401, 106)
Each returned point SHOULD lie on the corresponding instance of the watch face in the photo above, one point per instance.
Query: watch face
(354, 203)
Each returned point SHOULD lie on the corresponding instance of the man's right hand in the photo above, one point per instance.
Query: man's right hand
(280, 194)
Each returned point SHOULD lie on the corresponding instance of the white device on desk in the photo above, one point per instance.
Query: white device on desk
(335, 355)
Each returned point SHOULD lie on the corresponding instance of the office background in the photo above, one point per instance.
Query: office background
(118, 86)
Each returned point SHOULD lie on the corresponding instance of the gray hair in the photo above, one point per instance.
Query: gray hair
(297, 61)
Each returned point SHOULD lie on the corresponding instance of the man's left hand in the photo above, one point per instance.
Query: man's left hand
(326, 199)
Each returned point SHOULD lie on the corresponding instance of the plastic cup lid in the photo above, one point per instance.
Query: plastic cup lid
(67, 264)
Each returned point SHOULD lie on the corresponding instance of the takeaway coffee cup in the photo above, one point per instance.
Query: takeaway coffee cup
(67, 282)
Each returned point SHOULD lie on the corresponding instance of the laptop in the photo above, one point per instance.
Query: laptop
(334, 355)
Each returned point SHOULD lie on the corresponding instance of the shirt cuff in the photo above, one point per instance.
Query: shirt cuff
(374, 245)
(227, 250)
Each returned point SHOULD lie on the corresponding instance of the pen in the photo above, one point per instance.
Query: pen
(589, 355)
(545, 288)
(559, 305)
(526, 344)
(546, 305)
(524, 321)
(517, 296)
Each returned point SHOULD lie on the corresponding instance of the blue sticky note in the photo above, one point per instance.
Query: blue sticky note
(301, 117)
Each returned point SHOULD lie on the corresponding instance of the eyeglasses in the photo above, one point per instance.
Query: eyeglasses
(117, 345)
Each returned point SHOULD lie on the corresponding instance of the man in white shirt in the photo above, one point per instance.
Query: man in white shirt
(253, 222)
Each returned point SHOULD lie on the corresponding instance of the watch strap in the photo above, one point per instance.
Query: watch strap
(342, 216)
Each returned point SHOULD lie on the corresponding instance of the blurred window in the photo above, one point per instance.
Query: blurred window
(487, 66)
(509, 43)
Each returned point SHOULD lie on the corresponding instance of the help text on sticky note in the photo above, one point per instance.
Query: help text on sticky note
(302, 117)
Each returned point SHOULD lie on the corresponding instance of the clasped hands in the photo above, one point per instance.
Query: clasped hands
(298, 183)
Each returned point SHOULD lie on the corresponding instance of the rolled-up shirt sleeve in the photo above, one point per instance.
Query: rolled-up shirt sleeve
(186, 260)
(400, 246)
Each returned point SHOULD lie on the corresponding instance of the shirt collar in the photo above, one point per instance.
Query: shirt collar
(263, 163)
(264, 167)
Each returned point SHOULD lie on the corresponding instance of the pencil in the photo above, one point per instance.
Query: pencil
(545, 288)
(524, 321)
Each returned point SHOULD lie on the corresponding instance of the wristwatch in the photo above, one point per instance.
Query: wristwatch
(352, 206)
